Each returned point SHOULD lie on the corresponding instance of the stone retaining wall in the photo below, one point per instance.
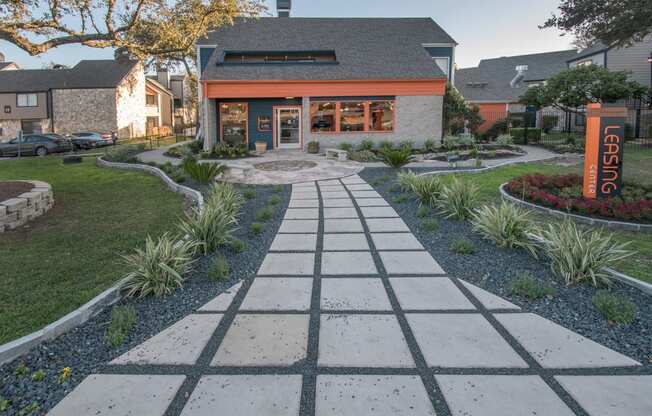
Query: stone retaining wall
(15, 212)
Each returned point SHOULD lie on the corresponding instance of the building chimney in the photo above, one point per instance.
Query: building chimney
(283, 7)
(163, 76)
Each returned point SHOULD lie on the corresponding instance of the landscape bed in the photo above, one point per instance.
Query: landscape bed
(494, 269)
(84, 349)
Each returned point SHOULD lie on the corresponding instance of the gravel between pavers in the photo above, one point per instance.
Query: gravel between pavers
(493, 268)
(84, 350)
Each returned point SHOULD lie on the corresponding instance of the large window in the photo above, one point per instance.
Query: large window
(26, 100)
(233, 123)
(352, 116)
(443, 62)
(150, 100)
(322, 117)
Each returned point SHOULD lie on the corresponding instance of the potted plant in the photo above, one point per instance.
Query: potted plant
(261, 146)
(313, 147)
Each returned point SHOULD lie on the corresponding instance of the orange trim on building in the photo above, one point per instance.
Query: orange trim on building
(328, 88)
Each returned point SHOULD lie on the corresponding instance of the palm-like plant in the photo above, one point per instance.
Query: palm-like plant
(506, 225)
(159, 268)
(458, 199)
(202, 172)
(396, 158)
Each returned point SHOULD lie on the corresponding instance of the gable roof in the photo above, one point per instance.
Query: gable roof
(153, 83)
(86, 74)
(365, 48)
(490, 80)
(593, 50)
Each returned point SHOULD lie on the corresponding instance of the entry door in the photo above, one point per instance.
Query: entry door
(288, 127)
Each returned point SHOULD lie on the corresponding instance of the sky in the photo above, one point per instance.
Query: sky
(482, 28)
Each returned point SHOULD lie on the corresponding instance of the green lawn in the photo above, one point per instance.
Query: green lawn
(64, 258)
(638, 166)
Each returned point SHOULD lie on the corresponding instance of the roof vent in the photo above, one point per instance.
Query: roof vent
(520, 76)
(283, 7)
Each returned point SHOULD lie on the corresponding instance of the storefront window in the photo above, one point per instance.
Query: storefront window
(233, 122)
(322, 117)
(381, 116)
(352, 116)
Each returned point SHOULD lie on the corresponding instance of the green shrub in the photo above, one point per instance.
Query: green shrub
(123, 319)
(578, 255)
(346, 146)
(249, 194)
(406, 145)
(406, 179)
(426, 189)
(159, 268)
(530, 287)
(423, 211)
(30, 409)
(229, 151)
(533, 135)
(615, 308)
(497, 128)
(277, 189)
(237, 245)
(124, 153)
(504, 140)
(39, 375)
(274, 200)
(506, 225)
(219, 268)
(224, 196)
(202, 172)
(394, 188)
(458, 199)
(313, 147)
(453, 142)
(401, 199)
(257, 228)
(431, 225)
(385, 145)
(265, 214)
(462, 246)
(366, 145)
(429, 146)
(21, 370)
(362, 156)
(550, 122)
(4, 404)
(396, 158)
(209, 228)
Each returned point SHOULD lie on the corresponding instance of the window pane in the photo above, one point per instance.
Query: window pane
(381, 116)
(442, 63)
(150, 100)
(322, 117)
(233, 119)
(22, 100)
(352, 116)
(31, 100)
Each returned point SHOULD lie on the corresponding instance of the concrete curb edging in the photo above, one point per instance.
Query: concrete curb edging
(488, 168)
(23, 345)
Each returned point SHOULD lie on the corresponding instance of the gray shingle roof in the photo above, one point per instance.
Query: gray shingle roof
(490, 80)
(366, 48)
(86, 74)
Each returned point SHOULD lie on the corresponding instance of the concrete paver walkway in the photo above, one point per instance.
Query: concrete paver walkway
(350, 316)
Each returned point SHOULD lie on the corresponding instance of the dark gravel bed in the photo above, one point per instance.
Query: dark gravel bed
(84, 349)
(493, 268)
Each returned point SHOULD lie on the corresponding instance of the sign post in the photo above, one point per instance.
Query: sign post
(603, 159)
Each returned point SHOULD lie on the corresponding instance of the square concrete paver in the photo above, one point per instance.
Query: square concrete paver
(409, 262)
(302, 214)
(554, 346)
(334, 194)
(359, 187)
(245, 395)
(386, 225)
(274, 294)
(347, 263)
(340, 213)
(304, 188)
(332, 188)
(378, 212)
(396, 241)
(120, 395)
(354, 295)
(365, 194)
(329, 182)
(294, 242)
(429, 293)
(303, 185)
(487, 395)
(352, 180)
(370, 395)
(182, 343)
(338, 203)
(345, 242)
(222, 302)
(304, 203)
(264, 340)
(611, 395)
(488, 300)
(299, 226)
(288, 264)
(304, 195)
(462, 340)
(362, 341)
(372, 202)
(352, 225)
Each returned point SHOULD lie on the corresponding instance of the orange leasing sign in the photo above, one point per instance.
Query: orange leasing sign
(603, 160)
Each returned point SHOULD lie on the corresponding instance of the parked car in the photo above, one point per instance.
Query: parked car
(36, 144)
(92, 139)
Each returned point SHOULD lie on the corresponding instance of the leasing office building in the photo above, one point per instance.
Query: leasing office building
(288, 81)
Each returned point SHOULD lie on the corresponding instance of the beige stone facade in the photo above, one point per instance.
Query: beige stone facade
(84, 109)
(130, 104)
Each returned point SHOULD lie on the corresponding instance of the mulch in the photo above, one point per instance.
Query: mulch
(12, 189)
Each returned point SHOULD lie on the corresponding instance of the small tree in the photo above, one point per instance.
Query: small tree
(457, 114)
(575, 87)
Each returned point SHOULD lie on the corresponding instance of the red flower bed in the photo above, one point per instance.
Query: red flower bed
(564, 192)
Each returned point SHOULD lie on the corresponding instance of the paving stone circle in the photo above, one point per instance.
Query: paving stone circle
(352, 317)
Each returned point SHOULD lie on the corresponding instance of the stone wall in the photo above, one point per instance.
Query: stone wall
(84, 109)
(25, 207)
(130, 104)
(9, 129)
(417, 118)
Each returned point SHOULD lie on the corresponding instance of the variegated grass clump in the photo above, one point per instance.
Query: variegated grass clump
(224, 194)
(458, 199)
(507, 225)
(427, 189)
(578, 255)
(405, 180)
(209, 228)
(159, 267)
